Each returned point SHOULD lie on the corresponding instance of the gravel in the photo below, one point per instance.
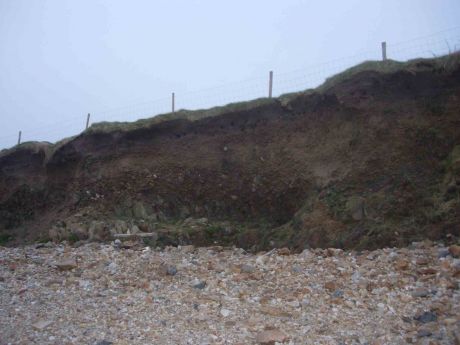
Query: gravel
(216, 295)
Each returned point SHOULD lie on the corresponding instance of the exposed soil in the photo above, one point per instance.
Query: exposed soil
(368, 162)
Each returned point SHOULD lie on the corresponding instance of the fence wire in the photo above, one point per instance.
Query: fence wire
(434, 45)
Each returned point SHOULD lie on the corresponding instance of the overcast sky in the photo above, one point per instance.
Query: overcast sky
(60, 59)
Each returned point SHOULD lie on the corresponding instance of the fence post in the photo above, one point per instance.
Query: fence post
(87, 121)
(19, 137)
(384, 51)
(270, 85)
(173, 102)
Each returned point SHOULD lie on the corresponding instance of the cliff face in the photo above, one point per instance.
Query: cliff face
(367, 161)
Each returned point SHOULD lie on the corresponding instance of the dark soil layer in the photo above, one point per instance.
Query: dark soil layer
(366, 162)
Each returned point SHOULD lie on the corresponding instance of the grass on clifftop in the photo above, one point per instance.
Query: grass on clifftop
(445, 63)
(47, 147)
(191, 115)
(442, 64)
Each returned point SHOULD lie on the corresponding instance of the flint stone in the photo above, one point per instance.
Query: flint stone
(271, 337)
(66, 264)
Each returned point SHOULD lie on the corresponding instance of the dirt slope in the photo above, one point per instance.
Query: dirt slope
(369, 159)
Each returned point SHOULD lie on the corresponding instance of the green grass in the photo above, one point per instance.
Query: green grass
(73, 238)
(45, 239)
(335, 200)
(5, 238)
(213, 230)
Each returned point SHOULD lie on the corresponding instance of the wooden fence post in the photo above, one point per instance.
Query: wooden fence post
(19, 137)
(384, 51)
(87, 121)
(173, 102)
(270, 85)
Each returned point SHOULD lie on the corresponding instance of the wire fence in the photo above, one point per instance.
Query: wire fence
(434, 45)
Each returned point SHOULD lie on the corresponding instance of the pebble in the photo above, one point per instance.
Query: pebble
(245, 268)
(118, 296)
(42, 324)
(284, 251)
(356, 277)
(338, 293)
(169, 270)
(104, 342)
(455, 250)
(421, 293)
(330, 286)
(422, 261)
(112, 267)
(225, 312)
(117, 243)
(423, 333)
(271, 337)
(261, 260)
(402, 264)
(297, 269)
(197, 284)
(426, 317)
(443, 252)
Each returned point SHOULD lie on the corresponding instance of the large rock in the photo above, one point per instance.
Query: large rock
(78, 231)
(98, 231)
(66, 264)
(139, 210)
(120, 227)
(134, 230)
(146, 226)
(65, 231)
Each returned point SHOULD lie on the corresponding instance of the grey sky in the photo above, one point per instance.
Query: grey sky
(61, 59)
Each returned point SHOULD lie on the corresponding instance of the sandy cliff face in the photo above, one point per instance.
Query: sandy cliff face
(369, 160)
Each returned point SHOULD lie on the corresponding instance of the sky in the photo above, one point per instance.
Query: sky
(121, 60)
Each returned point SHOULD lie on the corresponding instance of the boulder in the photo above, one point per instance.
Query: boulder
(98, 231)
(134, 230)
(139, 210)
(79, 231)
(58, 233)
(120, 227)
(146, 226)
